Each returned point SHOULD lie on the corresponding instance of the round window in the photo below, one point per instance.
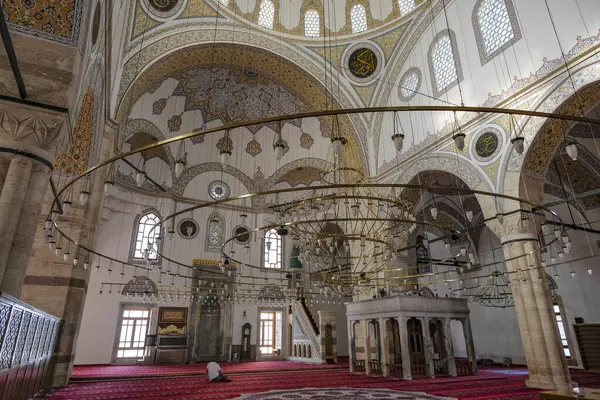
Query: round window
(218, 190)
(241, 234)
(409, 84)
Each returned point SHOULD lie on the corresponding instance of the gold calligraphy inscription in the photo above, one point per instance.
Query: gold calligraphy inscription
(362, 63)
(486, 144)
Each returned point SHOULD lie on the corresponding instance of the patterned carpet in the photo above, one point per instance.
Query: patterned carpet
(499, 384)
(98, 372)
(340, 393)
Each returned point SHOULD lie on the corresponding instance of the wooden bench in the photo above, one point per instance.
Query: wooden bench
(464, 367)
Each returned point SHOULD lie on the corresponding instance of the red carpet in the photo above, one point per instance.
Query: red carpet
(87, 372)
(500, 384)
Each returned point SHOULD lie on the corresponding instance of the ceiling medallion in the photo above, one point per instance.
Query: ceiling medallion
(163, 5)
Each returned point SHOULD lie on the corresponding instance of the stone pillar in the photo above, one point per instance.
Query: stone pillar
(365, 324)
(24, 238)
(11, 202)
(428, 347)
(404, 348)
(385, 355)
(449, 347)
(470, 344)
(351, 344)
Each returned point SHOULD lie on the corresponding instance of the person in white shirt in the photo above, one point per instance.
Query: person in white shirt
(213, 371)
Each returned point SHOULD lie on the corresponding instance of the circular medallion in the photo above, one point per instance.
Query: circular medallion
(409, 84)
(188, 228)
(486, 144)
(218, 190)
(362, 63)
(96, 23)
(244, 234)
(163, 5)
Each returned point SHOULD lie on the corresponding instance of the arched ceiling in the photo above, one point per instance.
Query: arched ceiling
(229, 83)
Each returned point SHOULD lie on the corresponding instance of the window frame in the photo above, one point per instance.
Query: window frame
(437, 92)
(207, 246)
(261, 327)
(123, 307)
(136, 231)
(400, 4)
(266, 251)
(312, 10)
(366, 18)
(259, 5)
(514, 22)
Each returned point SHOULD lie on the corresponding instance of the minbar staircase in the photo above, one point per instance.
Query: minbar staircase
(311, 318)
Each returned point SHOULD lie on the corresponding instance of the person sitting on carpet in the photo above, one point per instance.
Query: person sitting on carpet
(214, 373)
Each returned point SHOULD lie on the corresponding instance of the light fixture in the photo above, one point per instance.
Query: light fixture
(54, 215)
(48, 224)
(398, 139)
(179, 167)
(337, 143)
(66, 206)
(589, 270)
(447, 245)
(558, 233)
(66, 256)
(518, 144)
(107, 187)
(434, 212)
(463, 251)
(86, 265)
(572, 273)
(500, 218)
(426, 242)
(459, 141)
(566, 239)
(83, 197)
(140, 178)
(279, 147)
(571, 149)
(75, 260)
(470, 215)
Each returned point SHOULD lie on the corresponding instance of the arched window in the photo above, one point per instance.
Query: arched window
(144, 243)
(358, 18)
(406, 6)
(266, 14)
(496, 27)
(215, 232)
(423, 260)
(312, 23)
(273, 252)
(444, 63)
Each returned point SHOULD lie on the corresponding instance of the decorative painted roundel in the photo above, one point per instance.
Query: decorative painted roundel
(188, 228)
(163, 5)
(362, 63)
(218, 190)
(487, 144)
(244, 233)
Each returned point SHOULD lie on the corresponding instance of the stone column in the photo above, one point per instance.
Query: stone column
(385, 355)
(449, 347)
(428, 347)
(404, 348)
(24, 238)
(470, 344)
(365, 324)
(11, 203)
(351, 344)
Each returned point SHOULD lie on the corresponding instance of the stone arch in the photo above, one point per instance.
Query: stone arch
(542, 136)
(312, 162)
(190, 173)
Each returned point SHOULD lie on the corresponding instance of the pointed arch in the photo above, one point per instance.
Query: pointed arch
(144, 238)
(215, 232)
(444, 62)
(496, 27)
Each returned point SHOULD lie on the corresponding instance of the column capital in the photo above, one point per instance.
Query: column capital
(34, 130)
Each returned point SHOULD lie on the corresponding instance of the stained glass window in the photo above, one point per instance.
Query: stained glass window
(145, 237)
(266, 14)
(494, 23)
(215, 232)
(312, 23)
(358, 18)
(406, 6)
(443, 63)
(273, 253)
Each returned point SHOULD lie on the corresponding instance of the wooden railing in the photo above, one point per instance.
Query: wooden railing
(376, 367)
(396, 370)
(311, 318)
(27, 340)
(464, 367)
(418, 370)
(359, 365)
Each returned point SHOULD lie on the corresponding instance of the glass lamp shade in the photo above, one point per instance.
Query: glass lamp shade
(48, 224)
(589, 270)
(447, 246)
(225, 155)
(66, 257)
(86, 265)
(425, 243)
(66, 206)
(459, 141)
(571, 149)
(179, 166)
(278, 150)
(434, 212)
(107, 187)
(140, 177)
(398, 139)
(519, 144)
(336, 145)
(83, 197)
(75, 260)
(470, 215)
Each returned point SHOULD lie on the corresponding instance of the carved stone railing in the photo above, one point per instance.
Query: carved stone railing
(27, 338)
(311, 315)
(299, 312)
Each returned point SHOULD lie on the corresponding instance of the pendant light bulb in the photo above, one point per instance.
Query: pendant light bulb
(572, 273)
(86, 265)
(179, 167)
(140, 177)
(83, 197)
(470, 215)
(518, 144)
(398, 139)
(459, 141)
(75, 260)
(589, 270)
(66, 206)
(336, 144)
(434, 212)
(107, 187)
(571, 149)
(279, 147)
